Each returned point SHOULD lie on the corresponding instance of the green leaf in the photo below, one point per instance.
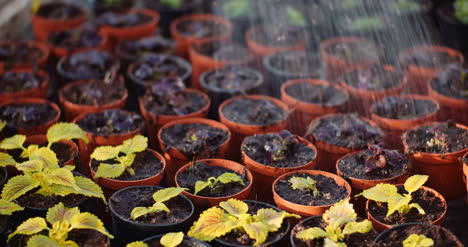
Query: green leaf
(61, 176)
(141, 211)
(3, 124)
(396, 203)
(18, 186)
(418, 207)
(174, 4)
(354, 227)
(201, 185)
(89, 221)
(257, 231)
(7, 207)
(30, 226)
(109, 171)
(213, 223)
(136, 144)
(6, 160)
(272, 218)
(43, 241)
(415, 182)
(45, 155)
(14, 142)
(126, 160)
(172, 239)
(59, 213)
(87, 187)
(167, 194)
(304, 184)
(65, 131)
(234, 207)
(311, 234)
(340, 214)
(380, 193)
(30, 166)
(105, 153)
(137, 244)
(230, 177)
(295, 17)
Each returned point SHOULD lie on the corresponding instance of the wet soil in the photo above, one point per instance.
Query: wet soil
(89, 64)
(19, 81)
(31, 199)
(402, 108)
(155, 68)
(18, 53)
(27, 115)
(355, 51)
(133, 49)
(201, 28)
(74, 39)
(373, 78)
(59, 11)
(187, 103)
(429, 59)
(298, 63)
(451, 82)
(232, 79)
(278, 36)
(323, 95)
(254, 112)
(122, 19)
(111, 122)
(95, 92)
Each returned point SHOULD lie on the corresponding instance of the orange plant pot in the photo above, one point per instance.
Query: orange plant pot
(303, 112)
(155, 122)
(42, 139)
(183, 42)
(72, 110)
(175, 159)
(205, 202)
(114, 184)
(465, 174)
(419, 77)
(41, 61)
(38, 92)
(305, 210)
(60, 52)
(380, 226)
(394, 128)
(450, 108)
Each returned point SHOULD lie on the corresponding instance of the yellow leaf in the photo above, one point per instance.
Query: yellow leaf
(354, 227)
(6, 160)
(415, 182)
(7, 207)
(201, 185)
(339, 214)
(18, 186)
(14, 142)
(36, 5)
(257, 231)
(311, 234)
(65, 131)
(60, 176)
(397, 202)
(126, 160)
(89, 221)
(167, 194)
(300, 183)
(141, 211)
(3, 124)
(136, 144)
(272, 218)
(45, 155)
(29, 227)
(137, 244)
(30, 166)
(87, 187)
(213, 223)
(29, 150)
(105, 153)
(43, 241)
(230, 177)
(172, 239)
(381, 192)
(234, 207)
(59, 213)
(109, 171)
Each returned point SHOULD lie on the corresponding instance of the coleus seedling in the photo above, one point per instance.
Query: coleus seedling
(388, 193)
(115, 160)
(159, 198)
(59, 222)
(8, 207)
(217, 184)
(168, 92)
(232, 215)
(277, 149)
(415, 240)
(379, 158)
(171, 239)
(340, 222)
(304, 184)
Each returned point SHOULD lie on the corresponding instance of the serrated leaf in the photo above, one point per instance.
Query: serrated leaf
(136, 144)
(213, 223)
(415, 182)
(418, 207)
(272, 218)
(60, 176)
(109, 171)
(30, 166)
(61, 190)
(339, 214)
(87, 187)
(44, 241)
(381, 192)
(234, 207)
(46, 155)
(201, 185)
(14, 142)
(415, 240)
(6, 160)
(167, 194)
(311, 234)
(65, 131)
(137, 244)
(172, 239)
(59, 213)
(230, 177)
(126, 160)
(141, 211)
(354, 227)
(29, 227)
(396, 202)
(89, 221)
(300, 183)
(7, 207)
(105, 153)
(29, 150)
(257, 231)
(18, 186)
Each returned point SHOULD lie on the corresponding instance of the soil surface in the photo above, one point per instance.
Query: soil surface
(85, 238)
(201, 28)
(403, 108)
(278, 36)
(154, 68)
(232, 79)
(76, 38)
(111, 122)
(59, 11)
(187, 242)
(298, 63)
(353, 240)
(122, 19)
(438, 138)
(89, 64)
(330, 191)
(429, 59)
(323, 95)
(254, 111)
(133, 49)
(194, 140)
(201, 171)
(19, 81)
(222, 51)
(186, 103)
(124, 203)
(31, 199)
(95, 92)
(355, 51)
(373, 78)
(18, 53)
(145, 165)
(451, 82)
(27, 115)
(63, 151)
(3, 177)
(431, 204)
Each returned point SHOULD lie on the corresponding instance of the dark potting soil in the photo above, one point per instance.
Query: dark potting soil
(194, 140)
(124, 203)
(95, 92)
(84, 238)
(345, 130)
(241, 238)
(431, 204)
(232, 79)
(293, 155)
(111, 122)
(134, 49)
(374, 164)
(223, 51)
(27, 115)
(278, 36)
(58, 11)
(145, 165)
(3, 177)
(298, 63)
(353, 240)
(402, 108)
(201, 28)
(330, 191)
(186, 103)
(3, 222)
(187, 242)
(254, 111)
(63, 151)
(429, 59)
(154, 68)
(373, 78)
(75, 38)
(32, 199)
(18, 53)
(202, 171)
(123, 19)
(89, 64)
(355, 51)
(19, 81)
(440, 236)
(439, 138)
(452, 82)
(323, 95)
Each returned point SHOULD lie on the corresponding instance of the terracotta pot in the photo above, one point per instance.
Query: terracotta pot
(419, 77)
(41, 61)
(465, 174)
(72, 110)
(60, 51)
(450, 108)
(206, 202)
(175, 159)
(444, 170)
(304, 112)
(38, 92)
(115, 184)
(42, 26)
(394, 128)
(304, 210)
(183, 42)
(42, 139)
(155, 122)
(380, 226)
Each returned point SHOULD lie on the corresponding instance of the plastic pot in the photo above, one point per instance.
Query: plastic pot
(38, 92)
(102, 6)
(72, 110)
(304, 112)
(41, 61)
(380, 226)
(42, 139)
(61, 51)
(183, 42)
(206, 202)
(418, 78)
(122, 226)
(175, 159)
(450, 108)
(465, 173)
(304, 210)
(42, 26)
(452, 31)
(193, 241)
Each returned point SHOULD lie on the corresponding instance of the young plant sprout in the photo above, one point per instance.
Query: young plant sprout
(461, 10)
(415, 240)
(61, 221)
(277, 148)
(171, 239)
(304, 184)
(175, 4)
(232, 215)
(295, 17)
(388, 193)
(159, 198)
(380, 157)
(8, 207)
(216, 184)
(114, 161)
(341, 221)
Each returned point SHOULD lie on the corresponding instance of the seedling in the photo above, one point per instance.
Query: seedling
(295, 17)
(461, 10)
(217, 184)
(175, 4)
(388, 193)
(159, 198)
(61, 221)
(236, 8)
(232, 215)
(379, 158)
(276, 150)
(171, 239)
(115, 160)
(304, 184)
(8, 207)
(341, 221)
(415, 240)
(169, 92)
